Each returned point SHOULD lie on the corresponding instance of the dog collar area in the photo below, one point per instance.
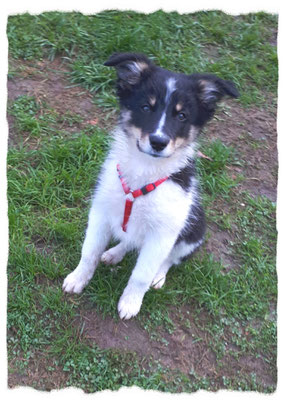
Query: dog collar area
(132, 194)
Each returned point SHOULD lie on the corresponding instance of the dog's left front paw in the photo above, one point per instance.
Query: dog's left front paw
(129, 305)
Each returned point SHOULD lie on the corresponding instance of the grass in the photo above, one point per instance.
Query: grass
(231, 47)
(51, 174)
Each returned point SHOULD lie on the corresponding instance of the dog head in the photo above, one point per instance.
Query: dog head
(164, 111)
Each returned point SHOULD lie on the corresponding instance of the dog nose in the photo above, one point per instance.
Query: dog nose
(158, 143)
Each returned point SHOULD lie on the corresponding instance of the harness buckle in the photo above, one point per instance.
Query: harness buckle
(149, 187)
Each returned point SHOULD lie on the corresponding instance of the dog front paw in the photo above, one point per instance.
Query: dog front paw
(129, 305)
(75, 282)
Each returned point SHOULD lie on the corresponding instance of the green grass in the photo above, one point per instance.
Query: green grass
(49, 192)
(214, 177)
(233, 47)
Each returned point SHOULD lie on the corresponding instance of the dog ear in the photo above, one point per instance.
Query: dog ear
(211, 89)
(130, 67)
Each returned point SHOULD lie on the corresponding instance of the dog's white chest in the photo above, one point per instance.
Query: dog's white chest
(163, 209)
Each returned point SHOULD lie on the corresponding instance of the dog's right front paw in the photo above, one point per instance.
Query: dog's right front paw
(74, 283)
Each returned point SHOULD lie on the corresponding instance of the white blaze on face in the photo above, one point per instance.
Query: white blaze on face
(170, 84)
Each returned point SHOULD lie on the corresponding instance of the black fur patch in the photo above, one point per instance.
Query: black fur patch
(195, 225)
(184, 176)
(194, 229)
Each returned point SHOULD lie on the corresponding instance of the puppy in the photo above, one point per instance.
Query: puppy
(147, 194)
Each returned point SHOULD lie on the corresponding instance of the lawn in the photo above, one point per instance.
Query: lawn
(213, 325)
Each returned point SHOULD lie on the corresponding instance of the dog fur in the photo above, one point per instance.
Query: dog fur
(161, 116)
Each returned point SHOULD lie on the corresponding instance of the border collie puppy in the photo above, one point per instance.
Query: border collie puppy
(147, 195)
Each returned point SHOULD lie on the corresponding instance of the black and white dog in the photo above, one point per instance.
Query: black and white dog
(147, 195)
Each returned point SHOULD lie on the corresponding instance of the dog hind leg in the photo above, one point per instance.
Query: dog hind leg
(160, 277)
(180, 252)
(115, 254)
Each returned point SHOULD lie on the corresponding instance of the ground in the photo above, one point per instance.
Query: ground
(252, 132)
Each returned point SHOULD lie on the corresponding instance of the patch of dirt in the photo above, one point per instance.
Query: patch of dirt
(211, 51)
(39, 374)
(218, 243)
(252, 132)
(274, 37)
(108, 333)
(48, 81)
(187, 349)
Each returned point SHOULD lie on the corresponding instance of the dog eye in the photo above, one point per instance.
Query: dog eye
(145, 108)
(181, 116)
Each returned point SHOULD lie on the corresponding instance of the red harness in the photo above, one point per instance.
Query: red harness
(131, 195)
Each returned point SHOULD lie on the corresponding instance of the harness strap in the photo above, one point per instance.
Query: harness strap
(131, 195)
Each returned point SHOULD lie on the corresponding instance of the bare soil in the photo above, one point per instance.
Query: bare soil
(253, 133)
(185, 349)
(48, 81)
